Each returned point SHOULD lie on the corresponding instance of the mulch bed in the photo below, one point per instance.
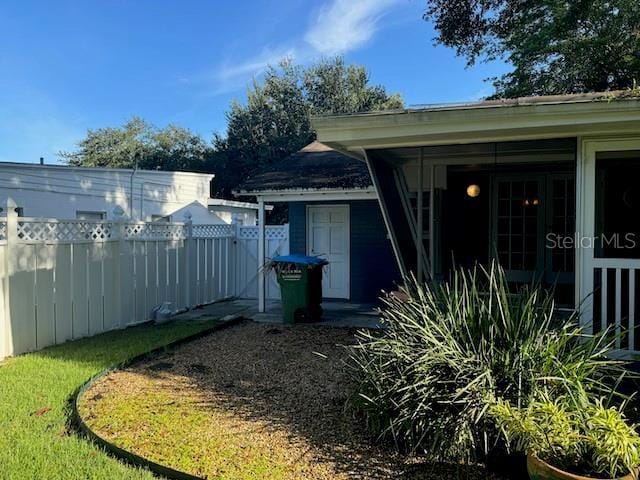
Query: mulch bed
(271, 398)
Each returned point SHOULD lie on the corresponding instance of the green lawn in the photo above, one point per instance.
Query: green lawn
(34, 394)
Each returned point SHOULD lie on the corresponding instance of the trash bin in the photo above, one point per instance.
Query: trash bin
(300, 280)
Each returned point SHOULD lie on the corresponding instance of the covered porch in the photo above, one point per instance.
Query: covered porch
(546, 186)
(332, 211)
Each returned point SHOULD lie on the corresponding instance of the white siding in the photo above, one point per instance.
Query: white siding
(52, 191)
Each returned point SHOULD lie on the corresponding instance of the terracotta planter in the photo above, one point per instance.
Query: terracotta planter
(540, 470)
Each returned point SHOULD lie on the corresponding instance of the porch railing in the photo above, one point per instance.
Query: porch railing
(615, 303)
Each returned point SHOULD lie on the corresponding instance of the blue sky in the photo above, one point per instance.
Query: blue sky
(70, 65)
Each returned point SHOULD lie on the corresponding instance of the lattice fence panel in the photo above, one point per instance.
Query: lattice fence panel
(64, 231)
(271, 233)
(154, 231)
(213, 231)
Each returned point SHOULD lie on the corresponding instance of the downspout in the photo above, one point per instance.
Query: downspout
(133, 172)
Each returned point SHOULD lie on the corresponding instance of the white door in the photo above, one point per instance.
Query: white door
(328, 237)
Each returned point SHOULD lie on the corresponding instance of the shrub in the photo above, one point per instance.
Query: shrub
(450, 350)
(579, 437)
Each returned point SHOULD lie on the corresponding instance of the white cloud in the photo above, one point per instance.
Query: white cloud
(345, 25)
(254, 65)
(338, 27)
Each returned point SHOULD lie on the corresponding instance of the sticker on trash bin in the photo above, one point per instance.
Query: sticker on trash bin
(291, 275)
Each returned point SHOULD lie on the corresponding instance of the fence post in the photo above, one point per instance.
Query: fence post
(119, 233)
(261, 256)
(188, 227)
(11, 238)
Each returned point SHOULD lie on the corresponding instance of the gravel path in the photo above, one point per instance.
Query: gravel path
(275, 394)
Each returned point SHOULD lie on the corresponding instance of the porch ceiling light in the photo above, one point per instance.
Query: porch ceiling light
(473, 190)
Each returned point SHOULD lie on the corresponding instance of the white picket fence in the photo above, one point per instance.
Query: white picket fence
(66, 279)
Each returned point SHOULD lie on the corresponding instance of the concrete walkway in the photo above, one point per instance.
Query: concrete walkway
(336, 313)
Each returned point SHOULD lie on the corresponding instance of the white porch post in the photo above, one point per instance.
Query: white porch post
(261, 256)
(583, 275)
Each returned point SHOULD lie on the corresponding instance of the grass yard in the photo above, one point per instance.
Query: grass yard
(250, 401)
(34, 394)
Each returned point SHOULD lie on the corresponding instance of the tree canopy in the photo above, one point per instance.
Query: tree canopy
(140, 144)
(272, 123)
(554, 46)
(275, 120)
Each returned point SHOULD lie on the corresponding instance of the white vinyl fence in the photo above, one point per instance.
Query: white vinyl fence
(66, 279)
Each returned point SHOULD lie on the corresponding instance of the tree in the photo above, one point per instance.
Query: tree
(140, 144)
(275, 120)
(335, 88)
(555, 46)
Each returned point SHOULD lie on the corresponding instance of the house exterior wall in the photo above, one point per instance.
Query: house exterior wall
(52, 191)
(242, 216)
(373, 267)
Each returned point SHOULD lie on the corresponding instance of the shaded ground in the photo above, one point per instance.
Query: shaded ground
(250, 401)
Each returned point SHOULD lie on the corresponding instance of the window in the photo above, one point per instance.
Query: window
(618, 205)
(518, 223)
(161, 218)
(89, 215)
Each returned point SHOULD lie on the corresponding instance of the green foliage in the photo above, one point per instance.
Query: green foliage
(332, 87)
(450, 350)
(275, 119)
(576, 436)
(272, 123)
(138, 143)
(554, 46)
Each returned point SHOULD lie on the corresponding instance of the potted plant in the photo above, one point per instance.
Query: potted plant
(569, 440)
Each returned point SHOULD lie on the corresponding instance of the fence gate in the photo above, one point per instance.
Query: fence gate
(276, 243)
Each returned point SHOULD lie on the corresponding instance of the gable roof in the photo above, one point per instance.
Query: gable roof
(315, 167)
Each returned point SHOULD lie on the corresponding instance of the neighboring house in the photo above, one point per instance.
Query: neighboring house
(333, 212)
(65, 192)
(549, 186)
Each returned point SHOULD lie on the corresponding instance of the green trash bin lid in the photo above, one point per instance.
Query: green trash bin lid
(300, 259)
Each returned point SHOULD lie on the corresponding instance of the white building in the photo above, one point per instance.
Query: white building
(65, 192)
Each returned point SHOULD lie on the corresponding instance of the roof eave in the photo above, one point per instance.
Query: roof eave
(473, 124)
(220, 202)
(355, 192)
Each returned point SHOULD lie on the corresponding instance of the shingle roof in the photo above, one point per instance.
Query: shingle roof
(316, 166)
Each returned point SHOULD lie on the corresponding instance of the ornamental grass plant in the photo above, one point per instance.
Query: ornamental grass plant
(449, 351)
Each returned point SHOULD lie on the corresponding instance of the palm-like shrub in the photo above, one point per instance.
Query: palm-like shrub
(575, 434)
(449, 351)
